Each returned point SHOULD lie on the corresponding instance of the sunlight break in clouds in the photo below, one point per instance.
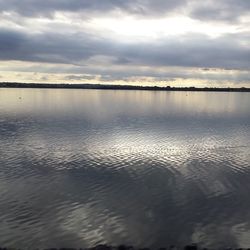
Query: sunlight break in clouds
(178, 43)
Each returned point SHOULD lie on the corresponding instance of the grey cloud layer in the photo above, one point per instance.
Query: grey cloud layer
(225, 10)
(191, 51)
(47, 7)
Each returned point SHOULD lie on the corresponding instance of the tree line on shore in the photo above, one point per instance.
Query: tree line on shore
(117, 87)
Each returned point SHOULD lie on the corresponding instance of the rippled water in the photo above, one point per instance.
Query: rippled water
(83, 167)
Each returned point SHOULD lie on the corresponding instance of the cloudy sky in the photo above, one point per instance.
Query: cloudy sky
(142, 42)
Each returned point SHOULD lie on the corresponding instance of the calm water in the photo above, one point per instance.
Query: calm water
(83, 167)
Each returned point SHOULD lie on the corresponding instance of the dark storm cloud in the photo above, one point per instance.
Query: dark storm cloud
(192, 50)
(48, 7)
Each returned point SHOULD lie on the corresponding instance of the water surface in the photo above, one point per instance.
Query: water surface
(84, 167)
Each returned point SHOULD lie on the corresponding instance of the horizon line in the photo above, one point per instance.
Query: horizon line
(118, 87)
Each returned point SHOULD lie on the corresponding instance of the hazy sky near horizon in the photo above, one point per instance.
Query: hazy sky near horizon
(146, 42)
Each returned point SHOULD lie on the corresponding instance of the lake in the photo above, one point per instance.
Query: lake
(151, 169)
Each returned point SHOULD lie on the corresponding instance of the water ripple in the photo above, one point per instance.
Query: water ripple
(150, 175)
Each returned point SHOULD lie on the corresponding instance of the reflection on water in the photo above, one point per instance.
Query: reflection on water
(83, 167)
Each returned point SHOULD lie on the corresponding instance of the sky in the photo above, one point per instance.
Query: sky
(138, 42)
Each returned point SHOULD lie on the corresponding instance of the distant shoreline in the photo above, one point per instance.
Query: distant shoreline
(124, 247)
(115, 87)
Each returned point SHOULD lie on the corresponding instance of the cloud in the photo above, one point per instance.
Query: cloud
(79, 77)
(73, 36)
(49, 7)
(193, 50)
(47, 47)
(223, 10)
